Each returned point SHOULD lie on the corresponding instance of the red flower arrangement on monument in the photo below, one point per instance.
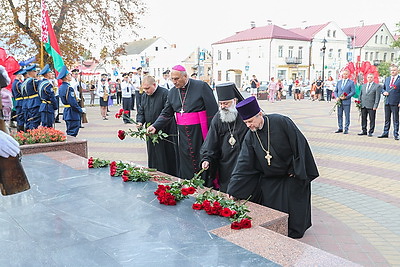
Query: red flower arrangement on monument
(217, 204)
(141, 132)
(338, 103)
(171, 193)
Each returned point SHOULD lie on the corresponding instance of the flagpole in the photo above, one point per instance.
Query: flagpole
(41, 55)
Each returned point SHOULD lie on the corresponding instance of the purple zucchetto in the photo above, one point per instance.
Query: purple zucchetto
(248, 108)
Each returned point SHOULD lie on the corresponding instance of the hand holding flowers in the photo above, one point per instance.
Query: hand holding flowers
(338, 102)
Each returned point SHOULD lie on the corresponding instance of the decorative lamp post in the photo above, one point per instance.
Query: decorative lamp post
(323, 67)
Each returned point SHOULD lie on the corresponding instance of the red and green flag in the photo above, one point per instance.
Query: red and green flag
(49, 39)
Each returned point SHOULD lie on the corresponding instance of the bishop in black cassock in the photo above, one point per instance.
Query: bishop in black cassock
(275, 166)
(194, 105)
(162, 156)
(224, 139)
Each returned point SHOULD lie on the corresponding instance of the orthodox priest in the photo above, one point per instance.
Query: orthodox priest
(224, 139)
(194, 105)
(163, 155)
(275, 166)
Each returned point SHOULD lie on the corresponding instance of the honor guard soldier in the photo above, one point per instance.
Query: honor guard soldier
(31, 98)
(72, 111)
(46, 92)
(17, 94)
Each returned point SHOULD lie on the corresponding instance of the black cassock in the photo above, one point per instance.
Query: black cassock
(219, 152)
(271, 185)
(163, 155)
(197, 96)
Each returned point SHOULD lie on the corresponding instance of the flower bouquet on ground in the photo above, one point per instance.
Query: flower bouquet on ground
(130, 172)
(97, 163)
(338, 103)
(40, 135)
(171, 193)
(141, 132)
(217, 204)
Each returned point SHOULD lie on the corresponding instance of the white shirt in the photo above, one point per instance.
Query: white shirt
(101, 88)
(136, 82)
(126, 89)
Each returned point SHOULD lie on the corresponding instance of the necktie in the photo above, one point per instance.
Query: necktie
(368, 87)
(167, 86)
(392, 82)
(344, 83)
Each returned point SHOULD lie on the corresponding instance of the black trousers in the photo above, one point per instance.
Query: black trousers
(389, 110)
(368, 112)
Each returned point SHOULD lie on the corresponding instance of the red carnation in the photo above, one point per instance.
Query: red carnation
(345, 94)
(236, 226)
(191, 190)
(233, 213)
(197, 206)
(117, 115)
(245, 223)
(121, 134)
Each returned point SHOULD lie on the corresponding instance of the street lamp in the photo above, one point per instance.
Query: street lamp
(323, 67)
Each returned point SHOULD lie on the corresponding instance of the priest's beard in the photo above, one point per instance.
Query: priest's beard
(228, 114)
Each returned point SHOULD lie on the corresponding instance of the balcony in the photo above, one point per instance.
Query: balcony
(293, 60)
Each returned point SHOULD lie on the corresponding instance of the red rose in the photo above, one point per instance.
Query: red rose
(233, 213)
(197, 206)
(236, 226)
(121, 110)
(184, 191)
(90, 165)
(125, 178)
(206, 203)
(245, 223)
(345, 94)
(121, 134)
(191, 190)
(216, 204)
(225, 212)
(117, 115)
(126, 111)
(126, 172)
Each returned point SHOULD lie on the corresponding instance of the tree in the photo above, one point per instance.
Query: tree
(80, 25)
(383, 69)
(396, 43)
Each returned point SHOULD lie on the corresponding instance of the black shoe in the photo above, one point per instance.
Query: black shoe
(370, 135)
(383, 136)
(339, 131)
(57, 121)
(396, 138)
(362, 133)
(345, 132)
(81, 127)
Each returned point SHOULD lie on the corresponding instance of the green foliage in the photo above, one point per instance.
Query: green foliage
(383, 69)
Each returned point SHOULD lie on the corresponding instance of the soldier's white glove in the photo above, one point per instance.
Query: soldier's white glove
(83, 110)
(8, 146)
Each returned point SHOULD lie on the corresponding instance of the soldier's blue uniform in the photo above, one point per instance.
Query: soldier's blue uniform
(17, 94)
(32, 101)
(72, 110)
(49, 102)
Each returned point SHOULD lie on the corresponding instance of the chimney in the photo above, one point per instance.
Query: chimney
(252, 24)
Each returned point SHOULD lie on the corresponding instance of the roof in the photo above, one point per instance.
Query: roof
(363, 34)
(309, 31)
(264, 32)
(137, 47)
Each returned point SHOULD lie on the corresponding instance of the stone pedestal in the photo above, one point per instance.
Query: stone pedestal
(72, 144)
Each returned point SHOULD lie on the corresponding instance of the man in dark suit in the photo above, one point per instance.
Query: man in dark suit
(369, 96)
(344, 90)
(391, 91)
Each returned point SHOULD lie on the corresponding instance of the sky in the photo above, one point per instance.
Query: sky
(192, 24)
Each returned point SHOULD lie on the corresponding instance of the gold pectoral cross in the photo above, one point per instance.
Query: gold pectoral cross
(268, 157)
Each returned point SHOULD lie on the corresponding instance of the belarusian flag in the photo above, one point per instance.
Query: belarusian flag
(49, 39)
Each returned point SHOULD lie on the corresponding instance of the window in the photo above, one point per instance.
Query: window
(386, 39)
(376, 39)
(156, 48)
(334, 34)
(228, 55)
(330, 54)
(366, 56)
(300, 55)
(282, 74)
(392, 57)
(371, 56)
(227, 76)
(290, 52)
(339, 53)
(280, 51)
(219, 76)
(384, 57)
(376, 55)
(329, 33)
(219, 55)
(381, 39)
